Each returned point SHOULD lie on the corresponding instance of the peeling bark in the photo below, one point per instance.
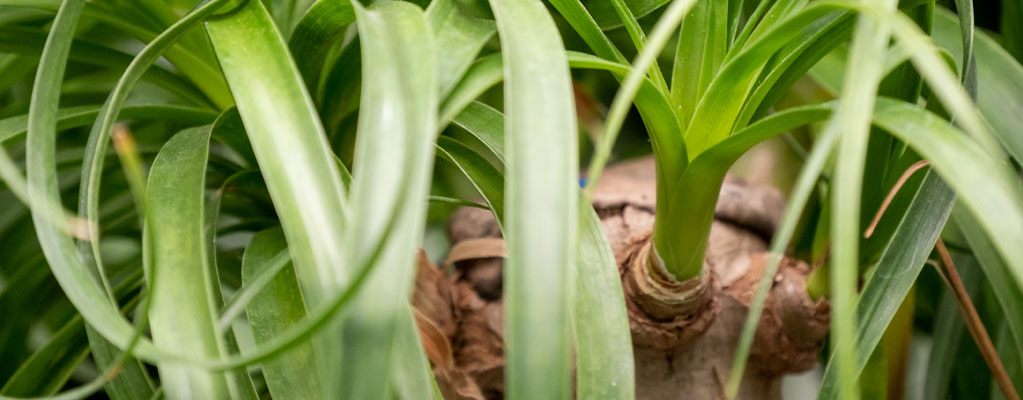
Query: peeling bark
(684, 333)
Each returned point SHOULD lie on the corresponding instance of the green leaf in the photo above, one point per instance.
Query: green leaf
(581, 20)
(320, 29)
(973, 175)
(238, 377)
(852, 118)
(1000, 81)
(289, 143)
(964, 9)
(411, 372)
(653, 106)
(458, 37)
(393, 163)
(191, 58)
(1009, 295)
(278, 305)
(948, 330)
(1012, 32)
(286, 13)
(707, 172)
(12, 128)
(669, 148)
(540, 199)
(604, 362)
(639, 41)
(484, 177)
(604, 13)
(988, 187)
(133, 382)
(75, 279)
(717, 110)
(294, 158)
(1009, 353)
(483, 74)
(182, 307)
(486, 124)
(895, 274)
(99, 137)
(793, 62)
(50, 367)
(230, 130)
(18, 40)
(702, 44)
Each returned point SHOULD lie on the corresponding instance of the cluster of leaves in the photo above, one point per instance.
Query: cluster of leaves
(280, 163)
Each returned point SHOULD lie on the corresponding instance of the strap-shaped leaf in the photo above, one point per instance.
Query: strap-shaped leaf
(581, 20)
(13, 128)
(294, 156)
(278, 305)
(99, 137)
(183, 305)
(459, 38)
(540, 200)
(392, 168)
(937, 141)
(50, 367)
(999, 83)
(321, 28)
(77, 281)
(1009, 295)
(949, 330)
(701, 49)
(604, 12)
(895, 275)
(483, 176)
(288, 141)
(604, 362)
(19, 40)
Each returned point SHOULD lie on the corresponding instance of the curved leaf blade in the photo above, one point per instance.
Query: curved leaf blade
(540, 199)
(181, 313)
(278, 305)
(393, 165)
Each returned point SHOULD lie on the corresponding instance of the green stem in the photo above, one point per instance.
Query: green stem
(817, 283)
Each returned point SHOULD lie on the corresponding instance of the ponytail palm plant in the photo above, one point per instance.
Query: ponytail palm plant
(253, 231)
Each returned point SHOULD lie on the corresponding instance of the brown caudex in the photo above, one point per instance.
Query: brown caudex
(684, 333)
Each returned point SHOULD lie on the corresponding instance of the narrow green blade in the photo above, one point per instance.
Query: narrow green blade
(604, 363)
(49, 368)
(999, 83)
(484, 177)
(294, 157)
(393, 163)
(279, 305)
(288, 141)
(603, 344)
(459, 38)
(77, 281)
(1010, 296)
(540, 199)
(895, 275)
(182, 309)
(322, 27)
(852, 119)
(701, 51)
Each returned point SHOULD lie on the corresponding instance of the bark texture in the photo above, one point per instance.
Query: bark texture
(684, 333)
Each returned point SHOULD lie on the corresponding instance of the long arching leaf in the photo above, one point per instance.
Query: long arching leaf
(540, 200)
(392, 169)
